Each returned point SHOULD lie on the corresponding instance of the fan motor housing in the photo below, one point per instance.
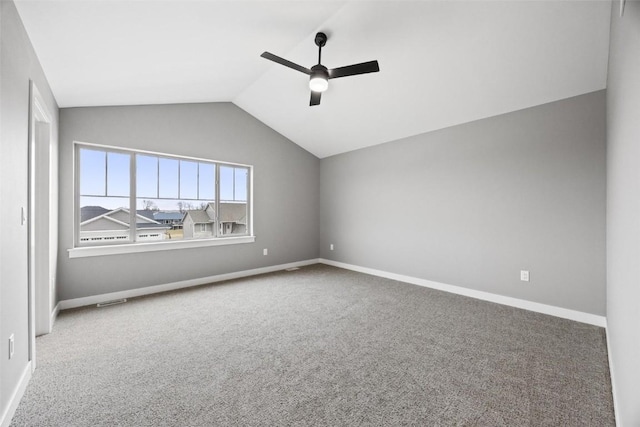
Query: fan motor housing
(319, 70)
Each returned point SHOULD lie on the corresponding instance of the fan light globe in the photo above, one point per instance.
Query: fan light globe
(318, 84)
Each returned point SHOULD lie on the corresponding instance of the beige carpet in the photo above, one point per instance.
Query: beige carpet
(317, 346)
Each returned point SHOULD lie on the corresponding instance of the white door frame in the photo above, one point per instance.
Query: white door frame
(41, 220)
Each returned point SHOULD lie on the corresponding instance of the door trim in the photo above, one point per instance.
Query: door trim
(42, 291)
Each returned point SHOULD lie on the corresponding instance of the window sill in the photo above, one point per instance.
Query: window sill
(88, 251)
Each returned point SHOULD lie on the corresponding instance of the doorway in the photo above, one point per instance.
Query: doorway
(42, 214)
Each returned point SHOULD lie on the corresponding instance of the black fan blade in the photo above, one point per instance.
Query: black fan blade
(352, 70)
(315, 98)
(282, 61)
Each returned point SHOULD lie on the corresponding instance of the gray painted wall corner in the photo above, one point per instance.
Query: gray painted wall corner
(623, 210)
(286, 199)
(474, 204)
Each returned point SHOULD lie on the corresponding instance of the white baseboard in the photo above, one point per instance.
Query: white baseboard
(612, 375)
(564, 313)
(95, 299)
(14, 401)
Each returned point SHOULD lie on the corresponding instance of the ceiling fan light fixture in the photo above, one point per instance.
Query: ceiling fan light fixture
(319, 80)
(318, 84)
(319, 75)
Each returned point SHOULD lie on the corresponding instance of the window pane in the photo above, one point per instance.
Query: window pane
(175, 198)
(241, 176)
(207, 180)
(188, 180)
(147, 176)
(226, 183)
(168, 178)
(92, 172)
(118, 176)
(155, 220)
(232, 220)
(104, 220)
(198, 219)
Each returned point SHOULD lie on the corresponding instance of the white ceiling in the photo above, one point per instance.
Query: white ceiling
(442, 63)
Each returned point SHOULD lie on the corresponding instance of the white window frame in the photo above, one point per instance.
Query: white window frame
(79, 250)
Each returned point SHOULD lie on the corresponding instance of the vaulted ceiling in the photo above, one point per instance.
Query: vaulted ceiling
(442, 63)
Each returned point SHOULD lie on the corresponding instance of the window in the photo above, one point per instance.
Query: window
(128, 197)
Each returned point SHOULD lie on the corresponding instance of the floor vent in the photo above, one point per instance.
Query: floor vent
(113, 302)
(292, 269)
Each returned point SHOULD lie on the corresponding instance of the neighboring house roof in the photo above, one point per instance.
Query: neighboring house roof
(88, 212)
(94, 213)
(167, 215)
(198, 216)
(103, 223)
(233, 212)
(229, 212)
(147, 213)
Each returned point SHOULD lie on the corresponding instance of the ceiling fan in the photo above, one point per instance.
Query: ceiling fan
(319, 75)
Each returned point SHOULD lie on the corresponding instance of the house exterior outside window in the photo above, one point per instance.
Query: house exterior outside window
(203, 223)
(125, 197)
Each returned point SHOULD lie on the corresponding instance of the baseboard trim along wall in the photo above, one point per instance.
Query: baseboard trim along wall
(564, 313)
(612, 376)
(95, 299)
(16, 397)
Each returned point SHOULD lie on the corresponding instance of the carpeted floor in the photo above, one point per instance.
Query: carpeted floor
(317, 346)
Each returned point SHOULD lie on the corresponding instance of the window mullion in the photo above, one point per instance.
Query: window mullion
(106, 173)
(76, 184)
(216, 195)
(249, 201)
(132, 198)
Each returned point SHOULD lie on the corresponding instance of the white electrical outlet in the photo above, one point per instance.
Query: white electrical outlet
(524, 275)
(11, 346)
(331, 247)
(265, 251)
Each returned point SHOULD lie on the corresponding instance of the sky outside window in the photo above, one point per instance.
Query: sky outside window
(188, 180)
(226, 183)
(207, 181)
(161, 183)
(147, 176)
(233, 183)
(240, 187)
(93, 173)
(118, 174)
(169, 178)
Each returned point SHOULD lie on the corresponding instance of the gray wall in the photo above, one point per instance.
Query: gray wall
(286, 192)
(18, 64)
(472, 205)
(623, 210)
